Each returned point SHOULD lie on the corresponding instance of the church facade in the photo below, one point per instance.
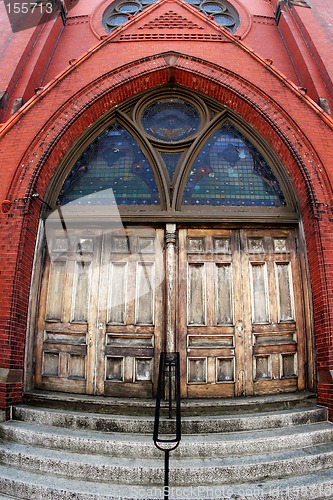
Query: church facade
(166, 174)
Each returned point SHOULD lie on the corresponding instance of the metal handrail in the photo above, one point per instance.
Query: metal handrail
(168, 389)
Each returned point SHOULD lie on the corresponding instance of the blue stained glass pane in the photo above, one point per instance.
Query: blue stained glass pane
(224, 20)
(170, 119)
(213, 8)
(112, 161)
(116, 20)
(230, 171)
(129, 8)
(171, 160)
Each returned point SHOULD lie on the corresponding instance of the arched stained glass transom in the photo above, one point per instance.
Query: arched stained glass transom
(224, 169)
(112, 161)
(120, 11)
(230, 171)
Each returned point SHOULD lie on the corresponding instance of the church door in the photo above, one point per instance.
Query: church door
(100, 319)
(239, 314)
(241, 327)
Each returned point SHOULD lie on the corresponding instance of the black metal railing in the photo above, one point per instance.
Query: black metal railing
(168, 390)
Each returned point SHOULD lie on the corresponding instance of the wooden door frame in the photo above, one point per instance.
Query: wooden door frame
(37, 273)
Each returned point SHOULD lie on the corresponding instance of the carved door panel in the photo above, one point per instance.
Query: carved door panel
(101, 299)
(68, 310)
(273, 312)
(130, 317)
(241, 327)
(211, 337)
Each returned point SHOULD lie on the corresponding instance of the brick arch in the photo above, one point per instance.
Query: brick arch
(74, 116)
(253, 105)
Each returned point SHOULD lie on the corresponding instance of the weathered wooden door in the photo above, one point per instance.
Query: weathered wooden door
(241, 328)
(274, 325)
(210, 313)
(239, 312)
(99, 326)
(130, 322)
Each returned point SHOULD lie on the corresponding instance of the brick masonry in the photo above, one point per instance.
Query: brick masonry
(35, 140)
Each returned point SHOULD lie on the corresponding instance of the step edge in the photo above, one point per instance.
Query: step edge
(312, 484)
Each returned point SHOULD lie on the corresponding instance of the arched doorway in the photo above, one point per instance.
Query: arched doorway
(212, 269)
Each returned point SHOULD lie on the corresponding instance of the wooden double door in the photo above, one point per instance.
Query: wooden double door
(235, 311)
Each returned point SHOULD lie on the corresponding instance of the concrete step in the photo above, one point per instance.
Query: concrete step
(190, 425)
(145, 407)
(192, 445)
(51, 453)
(34, 486)
(183, 471)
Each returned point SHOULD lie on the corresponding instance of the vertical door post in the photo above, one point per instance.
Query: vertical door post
(170, 240)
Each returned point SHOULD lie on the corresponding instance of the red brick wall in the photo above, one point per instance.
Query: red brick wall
(21, 221)
(309, 47)
(36, 139)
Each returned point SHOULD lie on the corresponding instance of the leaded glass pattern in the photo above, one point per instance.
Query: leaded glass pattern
(219, 10)
(170, 119)
(227, 170)
(230, 171)
(113, 162)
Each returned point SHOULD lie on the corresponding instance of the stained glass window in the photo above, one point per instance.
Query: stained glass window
(230, 171)
(227, 171)
(120, 11)
(112, 162)
(170, 119)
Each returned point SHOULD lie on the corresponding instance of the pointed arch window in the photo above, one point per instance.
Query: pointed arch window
(229, 170)
(113, 161)
(181, 153)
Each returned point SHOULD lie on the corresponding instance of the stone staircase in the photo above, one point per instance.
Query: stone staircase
(61, 447)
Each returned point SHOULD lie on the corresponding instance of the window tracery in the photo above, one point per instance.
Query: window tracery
(120, 12)
(223, 167)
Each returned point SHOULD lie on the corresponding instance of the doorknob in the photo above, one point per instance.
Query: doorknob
(100, 326)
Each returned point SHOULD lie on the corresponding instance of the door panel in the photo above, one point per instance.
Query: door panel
(241, 325)
(209, 302)
(130, 316)
(273, 312)
(101, 298)
(65, 337)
